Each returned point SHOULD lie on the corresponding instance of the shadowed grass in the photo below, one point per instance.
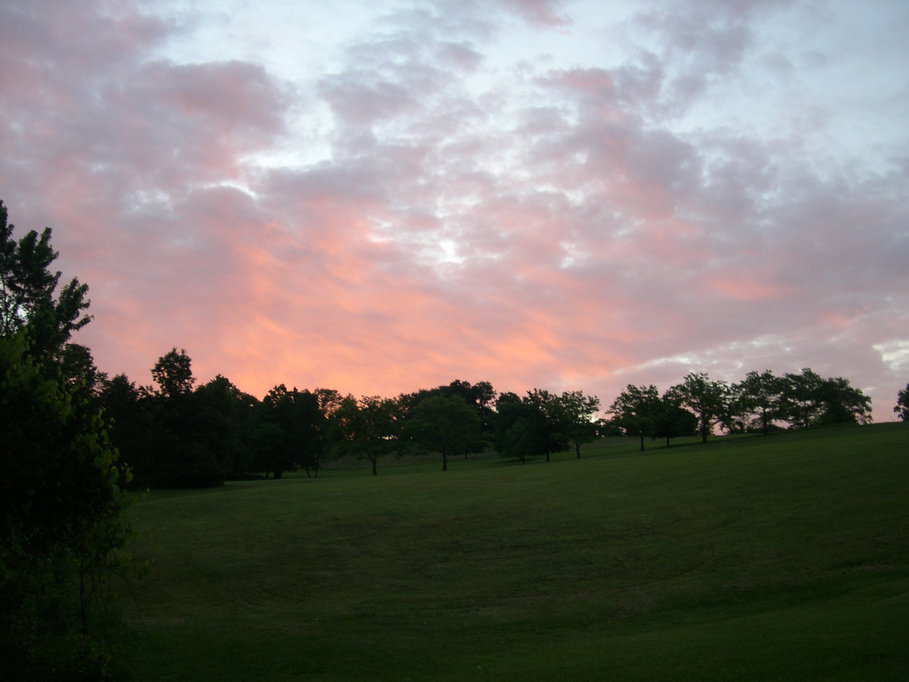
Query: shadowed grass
(785, 557)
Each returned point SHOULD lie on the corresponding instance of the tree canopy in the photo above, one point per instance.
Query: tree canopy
(707, 399)
(60, 479)
(444, 424)
(637, 410)
(902, 404)
(29, 296)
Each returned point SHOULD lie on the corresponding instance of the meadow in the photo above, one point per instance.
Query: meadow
(783, 557)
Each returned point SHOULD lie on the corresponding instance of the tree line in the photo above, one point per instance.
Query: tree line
(178, 434)
(761, 402)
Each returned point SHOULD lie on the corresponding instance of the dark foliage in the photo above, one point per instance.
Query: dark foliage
(902, 404)
(60, 479)
(444, 424)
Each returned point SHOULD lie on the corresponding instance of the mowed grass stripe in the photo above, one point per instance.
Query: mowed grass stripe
(746, 558)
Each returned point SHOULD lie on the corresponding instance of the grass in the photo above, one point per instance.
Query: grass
(780, 557)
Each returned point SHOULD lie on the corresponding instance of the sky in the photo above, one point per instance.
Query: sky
(384, 196)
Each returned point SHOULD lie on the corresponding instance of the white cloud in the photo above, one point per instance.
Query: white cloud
(895, 354)
(526, 193)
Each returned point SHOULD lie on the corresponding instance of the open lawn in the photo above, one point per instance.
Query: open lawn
(755, 558)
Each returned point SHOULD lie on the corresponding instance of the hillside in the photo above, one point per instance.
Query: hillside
(780, 557)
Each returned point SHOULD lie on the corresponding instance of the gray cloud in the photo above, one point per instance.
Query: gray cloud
(535, 222)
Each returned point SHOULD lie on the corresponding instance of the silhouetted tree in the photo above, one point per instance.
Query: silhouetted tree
(800, 403)
(129, 410)
(759, 398)
(843, 403)
(78, 370)
(173, 373)
(509, 410)
(370, 427)
(637, 411)
(532, 425)
(807, 399)
(555, 428)
(29, 299)
(223, 412)
(60, 480)
(708, 399)
(902, 404)
(478, 396)
(444, 424)
(290, 431)
(673, 420)
(579, 411)
(181, 454)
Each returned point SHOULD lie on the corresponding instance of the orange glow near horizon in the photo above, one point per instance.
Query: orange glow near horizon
(376, 216)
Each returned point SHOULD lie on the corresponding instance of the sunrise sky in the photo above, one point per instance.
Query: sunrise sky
(380, 196)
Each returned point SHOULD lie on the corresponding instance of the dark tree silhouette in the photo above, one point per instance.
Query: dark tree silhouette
(444, 424)
(637, 411)
(759, 400)
(533, 425)
(289, 427)
(370, 427)
(708, 399)
(29, 299)
(60, 480)
(902, 404)
(579, 411)
(807, 399)
(173, 373)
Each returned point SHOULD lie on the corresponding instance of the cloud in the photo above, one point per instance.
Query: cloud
(544, 221)
(539, 12)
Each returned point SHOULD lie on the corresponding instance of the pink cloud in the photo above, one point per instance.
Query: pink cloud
(550, 231)
(540, 12)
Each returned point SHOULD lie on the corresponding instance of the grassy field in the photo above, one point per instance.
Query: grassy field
(783, 557)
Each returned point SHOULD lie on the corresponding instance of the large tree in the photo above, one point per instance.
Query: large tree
(181, 454)
(478, 396)
(370, 427)
(707, 398)
(800, 403)
(173, 373)
(518, 427)
(60, 481)
(579, 411)
(637, 411)
(290, 427)
(807, 399)
(532, 425)
(557, 423)
(843, 403)
(673, 420)
(29, 296)
(902, 404)
(444, 424)
(759, 400)
(130, 410)
(223, 413)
